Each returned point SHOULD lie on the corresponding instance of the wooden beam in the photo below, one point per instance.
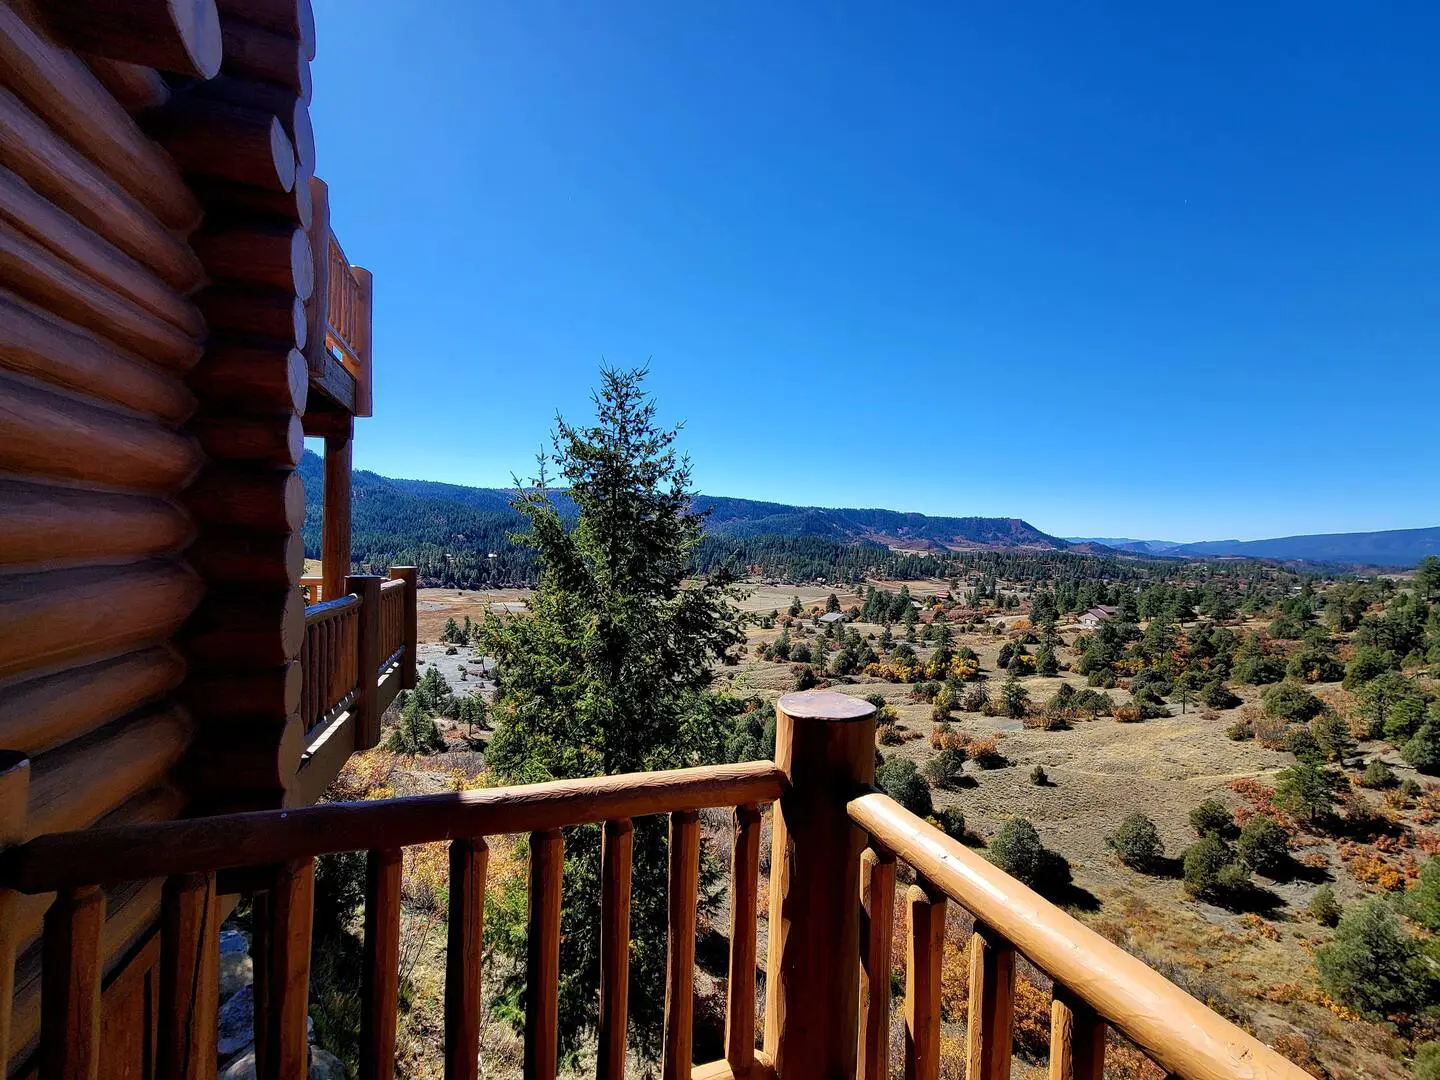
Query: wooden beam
(179, 36)
(251, 375)
(269, 313)
(366, 282)
(288, 18)
(226, 142)
(335, 520)
(264, 440)
(263, 500)
(84, 250)
(318, 307)
(36, 344)
(136, 87)
(63, 175)
(291, 207)
(45, 713)
(252, 559)
(411, 576)
(258, 253)
(57, 85)
(51, 282)
(71, 616)
(44, 527)
(990, 1033)
(256, 53)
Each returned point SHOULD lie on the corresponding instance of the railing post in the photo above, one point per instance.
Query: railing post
(411, 576)
(825, 744)
(367, 693)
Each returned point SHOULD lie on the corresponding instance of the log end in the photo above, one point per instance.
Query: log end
(198, 24)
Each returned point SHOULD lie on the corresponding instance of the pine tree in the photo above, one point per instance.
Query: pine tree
(610, 673)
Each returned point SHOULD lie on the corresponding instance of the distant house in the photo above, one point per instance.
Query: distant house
(1096, 615)
(834, 617)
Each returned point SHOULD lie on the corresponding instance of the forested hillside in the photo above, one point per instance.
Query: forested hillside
(461, 535)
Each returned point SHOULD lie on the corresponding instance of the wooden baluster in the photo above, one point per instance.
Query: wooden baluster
(925, 944)
(616, 852)
(992, 1005)
(70, 986)
(463, 952)
(1077, 1039)
(189, 978)
(304, 670)
(680, 946)
(542, 960)
(380, 979)
(322, 672)
(744, 908)
(877, 924)
(291, 908)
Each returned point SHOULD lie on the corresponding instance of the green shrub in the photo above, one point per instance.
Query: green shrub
(1301, 742)
(1290, 701)
(416, 731)
(1410, 788)
(1203, 862)
(1423, 751)
(946, 768)
(1018, 851)
(1332, 734)
(1373, 965)
(1324, 908)
(1264, 846)
(1307, 791)
(1427, 1062)
(899, 779)
(976, 698)
(951, 821)
(1217, 695)
(1038, 776)
(1241, 730)
(1422, 903)
(1377, 775)
(1212, 816)
(1137, 843)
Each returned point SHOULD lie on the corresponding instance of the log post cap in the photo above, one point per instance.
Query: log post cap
(825, 705)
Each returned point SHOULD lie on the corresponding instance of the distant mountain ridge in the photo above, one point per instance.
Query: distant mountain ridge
(1392, 547)
(383, 503)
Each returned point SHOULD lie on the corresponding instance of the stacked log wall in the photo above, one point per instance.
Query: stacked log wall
(153, 283)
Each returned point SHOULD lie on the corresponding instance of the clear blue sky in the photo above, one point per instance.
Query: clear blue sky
(1134, 269)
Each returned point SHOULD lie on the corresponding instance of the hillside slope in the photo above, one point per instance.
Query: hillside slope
(435, 525)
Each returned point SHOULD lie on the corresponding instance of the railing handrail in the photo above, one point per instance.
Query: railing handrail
(330, 609)
(108, 856)
(1179, 1032)
(392, 584)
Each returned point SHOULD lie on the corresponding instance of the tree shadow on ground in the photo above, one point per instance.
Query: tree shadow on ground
(1074, 898)
(1298, 871)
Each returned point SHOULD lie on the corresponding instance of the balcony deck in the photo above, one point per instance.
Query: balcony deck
(837, 844)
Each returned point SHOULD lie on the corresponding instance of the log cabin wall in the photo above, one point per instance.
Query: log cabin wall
(154, 191)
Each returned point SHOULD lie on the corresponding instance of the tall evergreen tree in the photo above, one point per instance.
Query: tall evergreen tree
(610, 673)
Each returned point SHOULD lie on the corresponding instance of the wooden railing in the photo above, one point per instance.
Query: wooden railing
(282, 845)
(330, 659)
(313, 586)
(836, 846)
(358, 653)
(392, 622)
